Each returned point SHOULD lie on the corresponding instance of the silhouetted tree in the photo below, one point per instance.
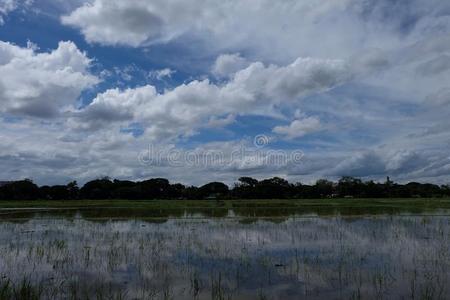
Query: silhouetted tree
(73, 190)
(127, 190)
(216, 190)
(274, 188)
(349, 186)
(20, 190)
(445, 190)
(98, 189)
(245, 188)
(191, 192)
(177, 191)
(372, 189)
(60, 192)
(323, 188)
(157, 188)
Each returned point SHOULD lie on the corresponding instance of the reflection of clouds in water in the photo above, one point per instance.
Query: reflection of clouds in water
(316, 256)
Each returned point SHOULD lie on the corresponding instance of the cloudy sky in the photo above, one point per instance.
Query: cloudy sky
(148, 88)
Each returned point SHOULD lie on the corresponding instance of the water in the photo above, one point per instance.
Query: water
(378, 257)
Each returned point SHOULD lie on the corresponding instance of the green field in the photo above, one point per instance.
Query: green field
(222, 208)
(337, 202)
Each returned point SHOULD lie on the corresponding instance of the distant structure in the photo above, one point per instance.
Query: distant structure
(3, 183)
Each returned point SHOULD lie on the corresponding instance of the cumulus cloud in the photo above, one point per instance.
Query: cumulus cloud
(228, 64)
(41, 84)
(376, 72)
(113, 106)
(280, 31)
(118, 22)
(299, 128)
(287, 25)
(188, 107)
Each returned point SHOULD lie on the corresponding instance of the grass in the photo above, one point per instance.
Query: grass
(433, 203)
(23, 291)
(221, 208)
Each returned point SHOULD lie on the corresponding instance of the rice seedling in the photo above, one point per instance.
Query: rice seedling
(224, 258)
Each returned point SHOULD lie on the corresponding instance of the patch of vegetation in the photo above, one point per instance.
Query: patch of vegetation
(164, 209)
(24, 290)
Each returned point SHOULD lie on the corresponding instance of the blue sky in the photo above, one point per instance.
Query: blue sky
(358, 87)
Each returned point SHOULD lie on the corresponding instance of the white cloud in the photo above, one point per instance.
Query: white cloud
(113, 106)
(41, 84)
(376, 72)
(287, 25)
(228, 64)
(278, 31)
(161, 74)
(119, 22)
(216, 122)
(7, 6)
(360, 164)
(183, 110)
(299, 128)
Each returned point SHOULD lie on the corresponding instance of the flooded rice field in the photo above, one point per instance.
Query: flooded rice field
(334, 257)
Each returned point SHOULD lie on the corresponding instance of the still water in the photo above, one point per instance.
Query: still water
(334, 257)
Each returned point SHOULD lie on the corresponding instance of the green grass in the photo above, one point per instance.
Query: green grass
(337, 202)
(220, 208)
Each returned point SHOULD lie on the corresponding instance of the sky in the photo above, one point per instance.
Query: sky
(202, 90)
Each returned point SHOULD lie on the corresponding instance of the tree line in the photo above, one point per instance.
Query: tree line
(245, 188)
